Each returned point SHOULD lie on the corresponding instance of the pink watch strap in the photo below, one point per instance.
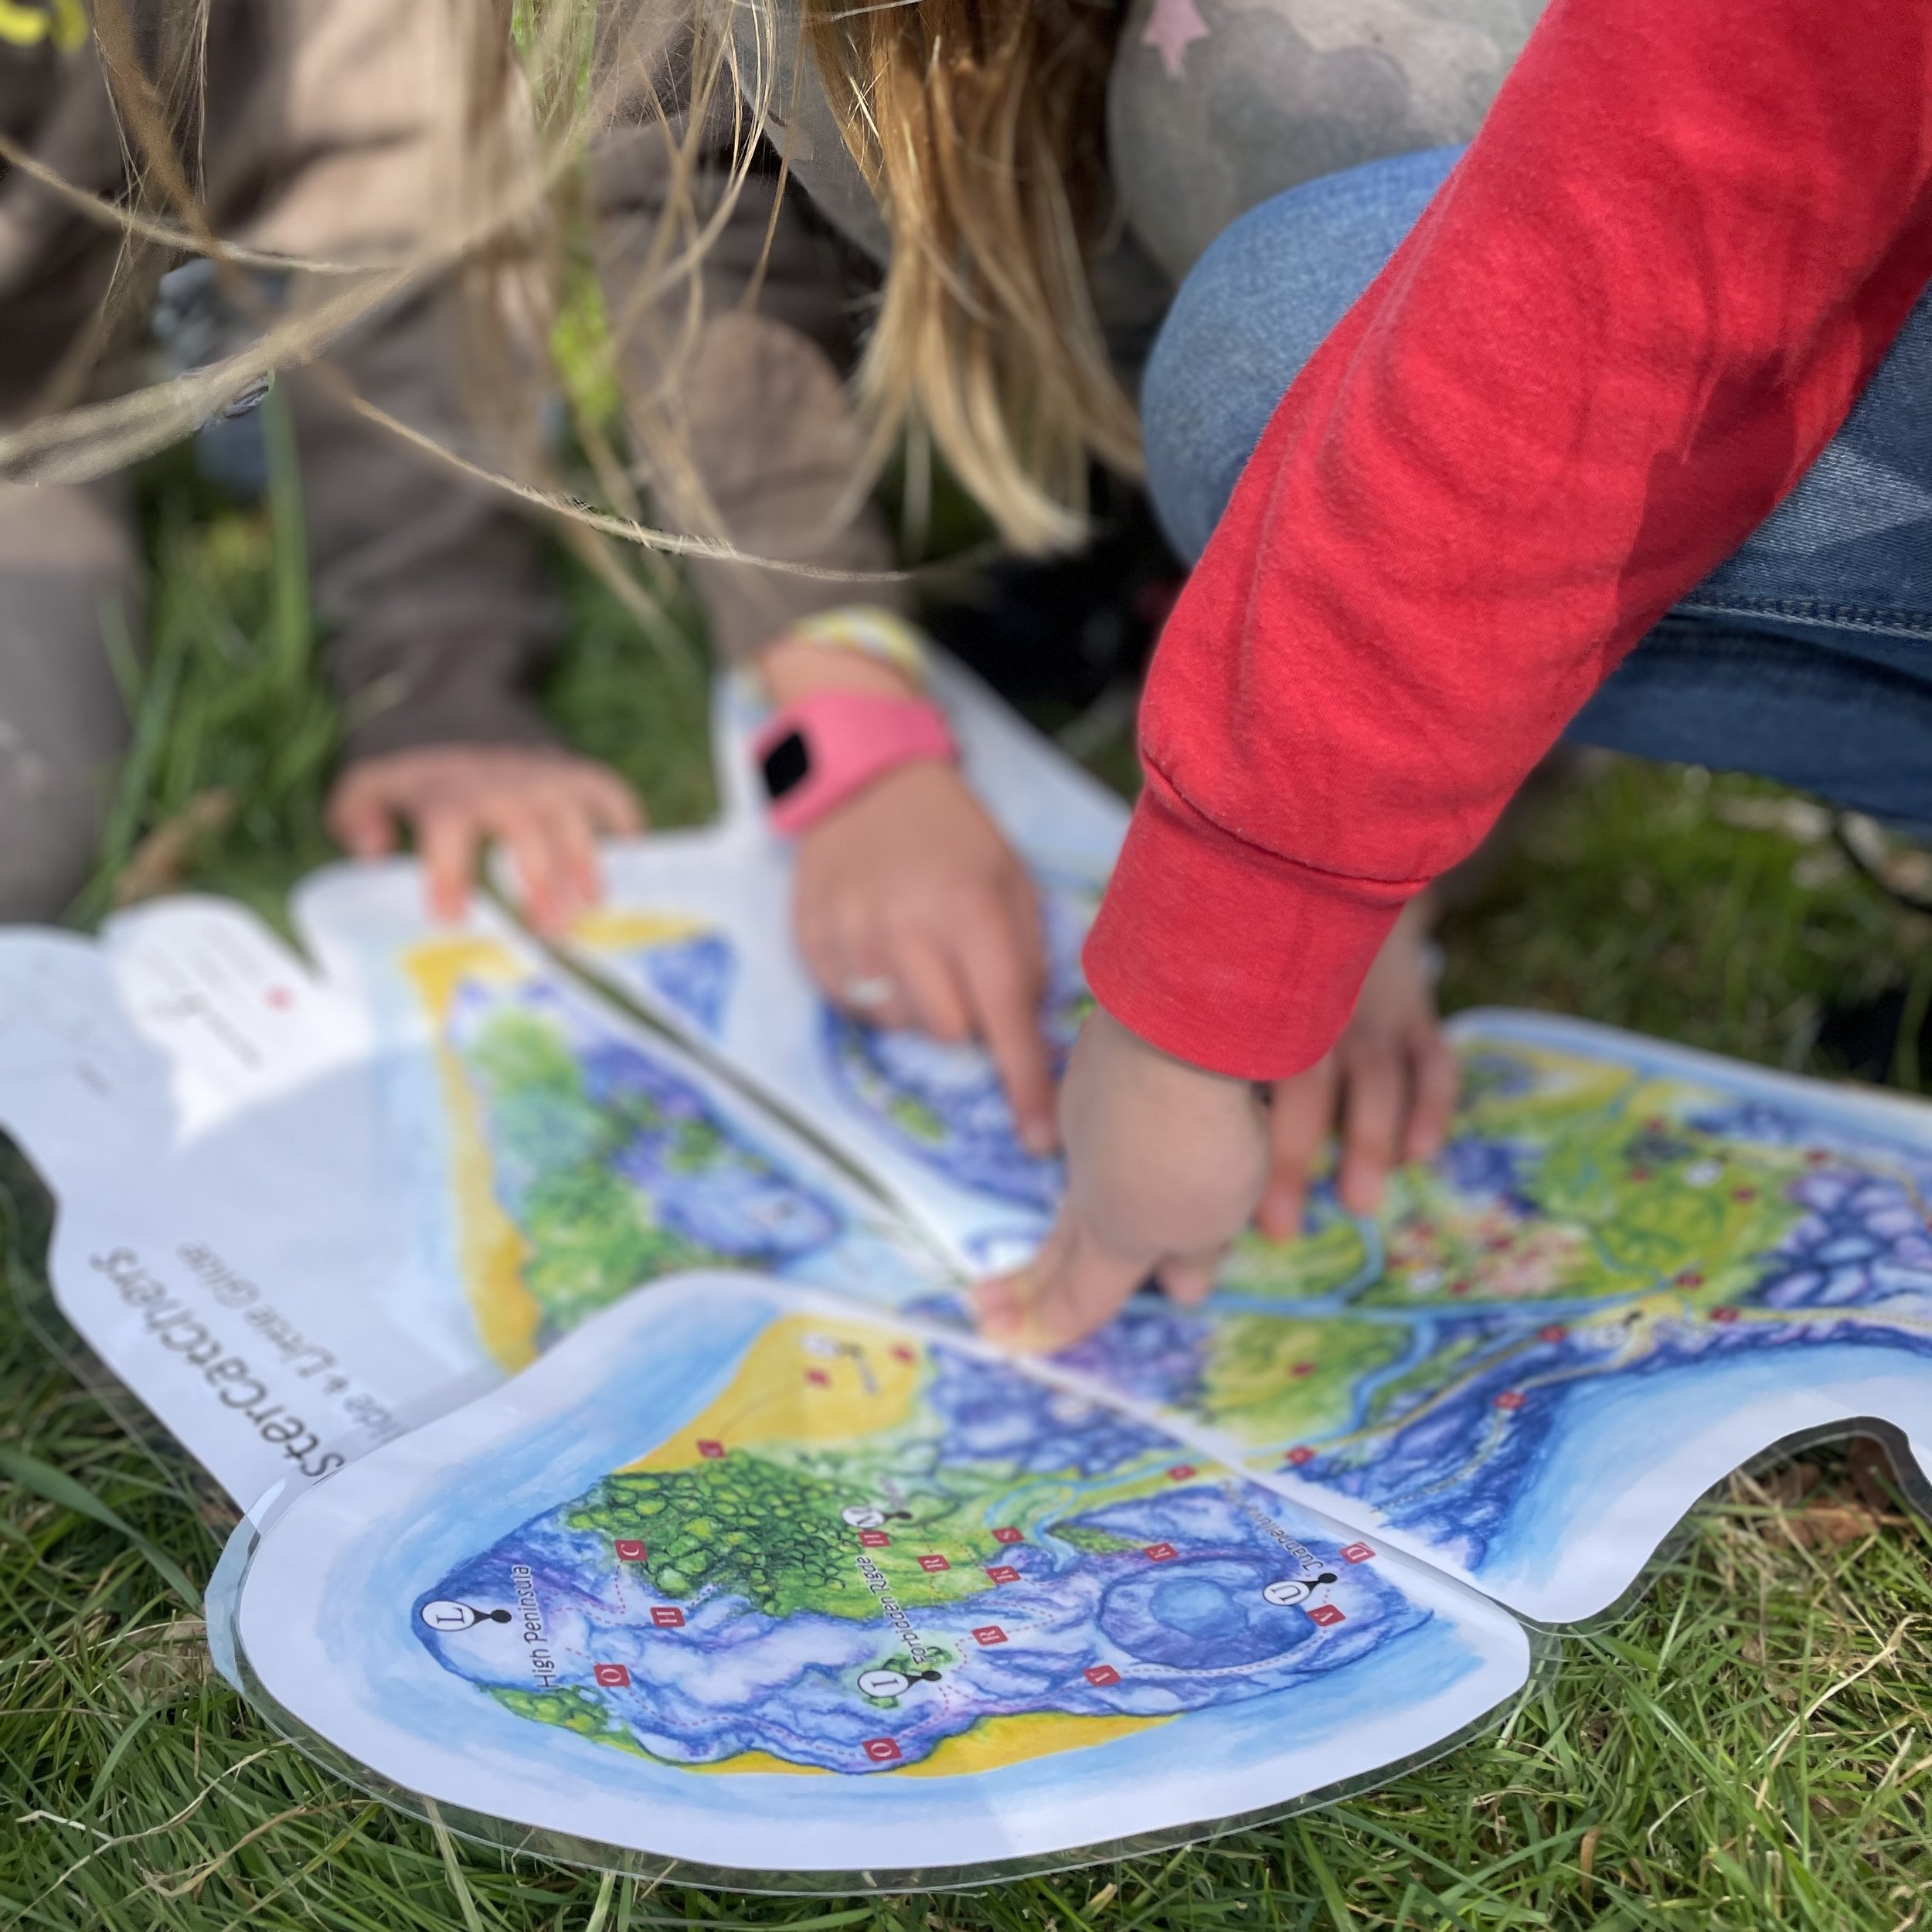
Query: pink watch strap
(817, 751)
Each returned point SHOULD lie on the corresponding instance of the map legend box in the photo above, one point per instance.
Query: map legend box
(1326, 1615)
(933, 1564)
(631, 1551)
(881, 1750)
(1008, 1536)
(667, 1617)
(611, 1676)
(989, 1634)
(1002, 1573)
(1101, 1675)
(874, 1539)
(1356, 1553)
(1160, 1553)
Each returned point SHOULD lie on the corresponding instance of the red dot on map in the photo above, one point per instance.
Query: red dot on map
(1458, 1288)
(902, 1353)
(1161, 1553)
(1008, 1536)
(1101, 1675)
(712, 1450)
(631, 1551)
(1511, 1399)
(881, 1750)
(989, 1634)
(1180, 1472)
(1002, 1573)
(667, 1617)
(874, 1539)
(817, 1378)
(1690, 1278)
(1298, 1456)
(611, 1676)
(1657, 1124)
(1743, 1194)
(1816, 1155)
(1356, 1553)
(1640, 1174)
(1324, 1614)
(933, 1564)
(1553, 1331)
(1723, 1314)
(1302, 1368)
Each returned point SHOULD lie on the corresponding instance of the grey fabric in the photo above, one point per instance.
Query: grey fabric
(69, 596)
(1217, 105)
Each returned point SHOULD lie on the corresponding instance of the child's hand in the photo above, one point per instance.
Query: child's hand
(1389, 1085)
(546, 807)
(912, 910)
(1165, 1163)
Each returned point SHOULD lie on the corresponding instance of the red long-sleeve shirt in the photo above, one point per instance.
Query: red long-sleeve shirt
(1631, 319)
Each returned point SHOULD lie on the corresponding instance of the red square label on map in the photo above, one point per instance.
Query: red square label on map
(1723, 1314)
(881, 1750)
(1511, 1399)
(874, 1539)
(932, 1563)
(1357, 1554)
(714, 1450)
(989, 1634)
(1161, 1553)
(1008, 1536)
(1324, 1614)
(902, 1353)
(1101, 1675)
(611, 1676)
(1003, 1574)
(1298, 1456)
(817, 1378)
(1555, 1332)
(667, 1617)
(1180, 1472)
(631, 1551)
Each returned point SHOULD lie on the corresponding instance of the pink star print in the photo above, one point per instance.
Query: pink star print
(1173, 28)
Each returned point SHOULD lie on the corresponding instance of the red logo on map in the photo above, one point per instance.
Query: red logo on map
(817, 1378)
(1357, 1554)
(1101, 1675)
(1298, 1456)
(1008, 1536)
(874, 1539)
(1511, 1399)
(712, 1450)
(611, 1676)
(1161, 1553)
(667, 1615)
(1180, 1472)
(631, 1551)
(1324, 1614)
(932, 1564)
(881, 1750)
(989, 1634)
(1003, 1574)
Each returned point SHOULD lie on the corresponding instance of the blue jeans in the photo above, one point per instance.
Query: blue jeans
(1805, 656)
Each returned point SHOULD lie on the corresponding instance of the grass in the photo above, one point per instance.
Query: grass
(1750, 1748)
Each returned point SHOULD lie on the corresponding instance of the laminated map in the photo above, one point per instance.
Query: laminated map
(586, 1335)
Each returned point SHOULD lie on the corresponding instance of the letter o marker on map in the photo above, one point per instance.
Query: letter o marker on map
(631, 1551)
(1324, 1614)
(989, 1634)
(667, 1615)
(933, 1564)
(1161, 1553)
(1101, 1675)
(881, 1750)
(611, 1676)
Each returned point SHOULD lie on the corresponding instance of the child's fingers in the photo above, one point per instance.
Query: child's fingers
(613, 807)
(1003, 992)
(1070, 1288)
(359, 819)
(446, 839)
(1299, 1114)
(1189, 1279)
(1372, 1109)
(930, 988)
(573, 840)
(1437, 1078)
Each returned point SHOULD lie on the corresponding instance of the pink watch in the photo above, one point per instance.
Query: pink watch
(819, 750)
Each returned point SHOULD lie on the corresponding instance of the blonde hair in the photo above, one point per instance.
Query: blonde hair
(976, 124)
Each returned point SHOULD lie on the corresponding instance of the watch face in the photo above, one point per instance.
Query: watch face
(785, 765)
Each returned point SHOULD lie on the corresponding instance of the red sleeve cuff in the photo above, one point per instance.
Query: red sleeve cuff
(1225, 955)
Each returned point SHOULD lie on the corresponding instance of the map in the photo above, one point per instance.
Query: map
(1614, 1231)
(948, 1588)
